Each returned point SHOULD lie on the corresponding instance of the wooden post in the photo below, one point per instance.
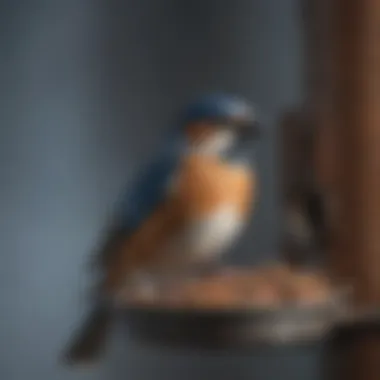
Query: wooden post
(357, 120)
(358, 124)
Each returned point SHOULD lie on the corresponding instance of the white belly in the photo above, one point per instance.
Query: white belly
(208, 238)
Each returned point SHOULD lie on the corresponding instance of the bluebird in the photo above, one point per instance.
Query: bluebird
(184, 210)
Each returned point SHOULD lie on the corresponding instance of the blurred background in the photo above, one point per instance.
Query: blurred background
(87, 87)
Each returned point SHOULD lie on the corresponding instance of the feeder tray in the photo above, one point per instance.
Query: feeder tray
(244, 329)
(239, 308)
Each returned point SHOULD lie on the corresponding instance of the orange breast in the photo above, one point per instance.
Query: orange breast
(206, 183)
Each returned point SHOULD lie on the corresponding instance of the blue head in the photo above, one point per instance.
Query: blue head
(220, 124)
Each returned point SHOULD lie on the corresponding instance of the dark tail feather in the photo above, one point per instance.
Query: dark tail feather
(89, 343)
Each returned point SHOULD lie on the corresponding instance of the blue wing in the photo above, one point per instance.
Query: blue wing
(149, 190)
(141, 200)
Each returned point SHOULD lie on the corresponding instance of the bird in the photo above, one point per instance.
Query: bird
(186, 208)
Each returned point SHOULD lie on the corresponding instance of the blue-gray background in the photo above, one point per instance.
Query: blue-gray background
(86, 88)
